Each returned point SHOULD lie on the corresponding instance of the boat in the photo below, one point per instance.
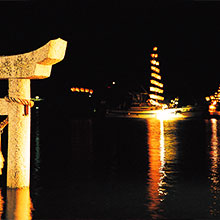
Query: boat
(214, 103)
(150, 103)
(146, 104)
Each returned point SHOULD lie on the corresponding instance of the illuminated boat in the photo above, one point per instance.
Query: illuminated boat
(214, 103)
(148, 103)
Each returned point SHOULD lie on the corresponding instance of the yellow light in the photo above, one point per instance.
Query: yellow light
(153, 102)
(155, 75)
(155, 49)
(212, 107)
(86, 90)
(207, 99)
(82, 89)
(154, 89)
(77, 89)
(157, 70)
(167, 114)
(154, 55)
(153, 62)
(90, 91)
(157, 97)
(156, 83)
(164, 115)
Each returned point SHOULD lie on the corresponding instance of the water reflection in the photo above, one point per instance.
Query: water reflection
(19, 205)
(82, 147)
(36, 152)
(214, 168)
(37, 143)
(1, 204)
(162, 154)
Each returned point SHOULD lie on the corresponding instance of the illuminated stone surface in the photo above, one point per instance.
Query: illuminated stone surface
(19, 69)
(3, 107)
(35, 64)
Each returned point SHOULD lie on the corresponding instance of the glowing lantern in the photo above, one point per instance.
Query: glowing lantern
(155, 49)
(90, 91)
(156, 83)
(157, 97)
(87, 90)
(154, 89)
(153, 62)
(153, 55)
(155, 75)
(207, 99)
(82, 89)
(212, 108)
(157, 70)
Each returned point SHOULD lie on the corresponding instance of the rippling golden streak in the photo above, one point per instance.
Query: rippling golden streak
(162, 142)
(214, 145)
(162, 148)
(214, 174)
(154, 163)
(1, 204)
(162, 191)
(19, 205)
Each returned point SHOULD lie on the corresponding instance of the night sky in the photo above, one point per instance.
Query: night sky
(112, 40)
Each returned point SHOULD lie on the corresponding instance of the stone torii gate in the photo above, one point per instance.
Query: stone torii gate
(19, 70)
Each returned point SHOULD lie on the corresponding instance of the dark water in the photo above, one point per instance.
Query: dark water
(119, 169)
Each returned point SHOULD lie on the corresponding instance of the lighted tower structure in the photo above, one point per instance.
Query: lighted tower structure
(156, 87)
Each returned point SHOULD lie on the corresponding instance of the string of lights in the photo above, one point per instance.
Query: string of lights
(155, 75)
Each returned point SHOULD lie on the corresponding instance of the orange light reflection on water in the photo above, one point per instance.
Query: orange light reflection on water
(19, 205)
(1, 204)
(161, 152)
(156, 162)
(214, 173)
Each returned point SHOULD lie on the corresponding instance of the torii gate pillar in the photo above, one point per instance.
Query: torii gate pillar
(19, 70)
